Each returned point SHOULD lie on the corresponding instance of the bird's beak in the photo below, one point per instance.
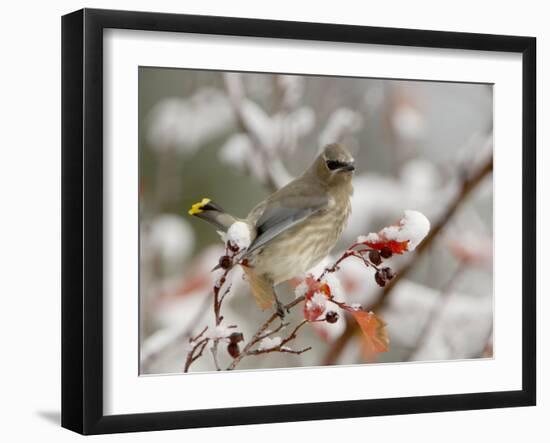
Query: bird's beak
(349, 167)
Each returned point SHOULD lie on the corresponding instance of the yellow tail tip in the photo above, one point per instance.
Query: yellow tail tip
(197, 207)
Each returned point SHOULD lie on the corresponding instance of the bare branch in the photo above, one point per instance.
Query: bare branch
(261, 332)
(191, 356)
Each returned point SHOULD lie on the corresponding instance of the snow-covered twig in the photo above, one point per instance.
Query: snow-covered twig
(198, 344)
(262, 333)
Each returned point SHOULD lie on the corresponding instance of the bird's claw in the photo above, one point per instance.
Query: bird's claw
(281, 310)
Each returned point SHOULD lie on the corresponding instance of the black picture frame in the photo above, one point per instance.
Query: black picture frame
(82, 220)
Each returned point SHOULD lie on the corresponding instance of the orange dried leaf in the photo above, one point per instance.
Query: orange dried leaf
(397, 247)
(374, 331)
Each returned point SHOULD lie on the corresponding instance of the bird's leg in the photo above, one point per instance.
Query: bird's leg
(279, 306)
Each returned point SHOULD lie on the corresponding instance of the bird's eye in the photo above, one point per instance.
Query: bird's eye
(333, 164)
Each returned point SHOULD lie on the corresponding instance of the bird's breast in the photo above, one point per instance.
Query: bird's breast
(302, 247)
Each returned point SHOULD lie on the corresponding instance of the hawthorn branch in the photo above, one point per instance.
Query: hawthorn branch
(468, 185)
(274, 331)
(261, 332)
(350, 252)
(197, 350)
(282, 346)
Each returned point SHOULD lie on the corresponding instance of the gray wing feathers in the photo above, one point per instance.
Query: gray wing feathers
(278, 219)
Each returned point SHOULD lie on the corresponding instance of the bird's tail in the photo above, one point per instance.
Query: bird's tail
(261, 289)
(212, 213)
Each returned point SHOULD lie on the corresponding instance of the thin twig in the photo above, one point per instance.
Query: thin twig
(261, 331)
(191, 357)
(200, 334)
(273, 332)
(281, 347)
(348, 253)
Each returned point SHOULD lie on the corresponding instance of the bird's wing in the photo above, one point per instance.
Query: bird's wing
(280, 217)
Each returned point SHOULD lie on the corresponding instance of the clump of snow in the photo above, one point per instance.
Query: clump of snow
(414, 226)
(219, 283)
(301, 289)
(269, 343)
(239, 234)
(391, 233)
(221, 332)
(371, 238)
(286, 348)
(317, 301)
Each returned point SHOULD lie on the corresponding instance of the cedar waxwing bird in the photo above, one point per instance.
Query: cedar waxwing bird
(295, 227)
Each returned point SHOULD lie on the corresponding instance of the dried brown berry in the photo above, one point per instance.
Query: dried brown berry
(225, 262)
(380, 278)
(233, 350)
(388, 273)
(236, 337)
(232, 246)
(332, 316)
(386, 252)
(374, 257)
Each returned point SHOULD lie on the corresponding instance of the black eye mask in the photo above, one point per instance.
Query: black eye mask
(336, 164)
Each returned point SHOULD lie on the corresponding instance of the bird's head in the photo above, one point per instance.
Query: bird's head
(335, 165)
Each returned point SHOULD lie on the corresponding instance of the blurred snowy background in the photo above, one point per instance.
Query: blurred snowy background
(237, 137)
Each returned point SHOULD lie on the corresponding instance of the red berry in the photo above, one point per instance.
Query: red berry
(380, 278)
(236, 337)
(386, 252)
(232, 246)
(374, 257)
(332, 317)
(233, 350)
(225, 262)
(388, 273)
